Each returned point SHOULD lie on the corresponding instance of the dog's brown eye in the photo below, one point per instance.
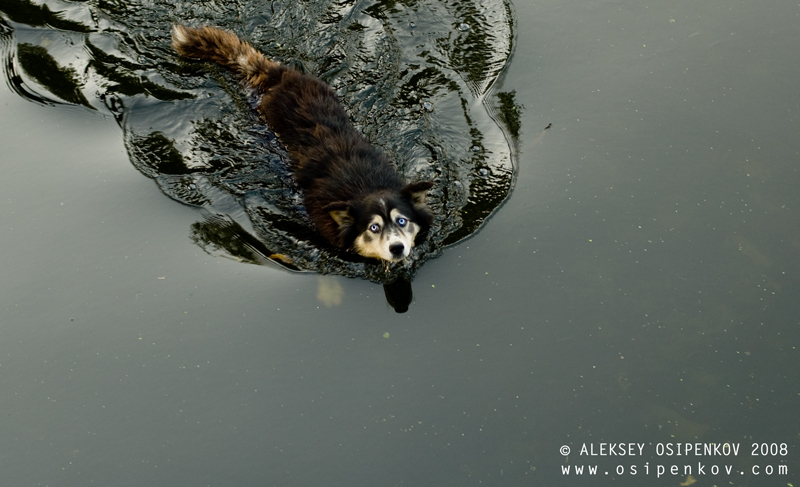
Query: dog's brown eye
(374, 228)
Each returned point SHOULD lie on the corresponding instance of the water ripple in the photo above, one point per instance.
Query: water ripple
(416, 76)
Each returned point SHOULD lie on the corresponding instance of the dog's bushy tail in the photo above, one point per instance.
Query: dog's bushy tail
(222, 47)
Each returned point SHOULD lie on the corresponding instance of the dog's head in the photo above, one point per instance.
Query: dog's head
(384, 224)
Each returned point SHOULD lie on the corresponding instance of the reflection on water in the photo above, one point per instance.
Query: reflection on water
(415, 75)
(40, 65)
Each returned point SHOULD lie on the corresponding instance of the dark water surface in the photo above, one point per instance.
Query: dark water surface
(639, 284)
(418, 79)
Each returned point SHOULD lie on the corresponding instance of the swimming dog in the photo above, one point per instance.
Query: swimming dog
(352, 193)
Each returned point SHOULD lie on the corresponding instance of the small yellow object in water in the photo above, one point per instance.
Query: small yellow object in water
(329, 291)
(281, 257)
(386, 335)
(689, 481)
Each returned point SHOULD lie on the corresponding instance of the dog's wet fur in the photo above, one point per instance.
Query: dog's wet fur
(352, 193)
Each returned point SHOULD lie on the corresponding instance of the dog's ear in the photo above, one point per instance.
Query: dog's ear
(416, 193)
(340, 212)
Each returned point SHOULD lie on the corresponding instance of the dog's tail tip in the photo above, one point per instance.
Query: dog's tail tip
(178, 33)
(179, 36)
(220, 46)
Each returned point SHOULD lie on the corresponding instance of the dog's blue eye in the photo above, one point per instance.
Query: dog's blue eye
(374, 228)
(402, 221)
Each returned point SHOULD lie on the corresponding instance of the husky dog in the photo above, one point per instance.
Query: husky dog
(353, 195)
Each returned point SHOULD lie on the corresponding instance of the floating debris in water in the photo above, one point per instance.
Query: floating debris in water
(428, 106)
(329, 291)
(463, 26)
(282, 258)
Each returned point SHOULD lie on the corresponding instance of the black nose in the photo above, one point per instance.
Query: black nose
(397, 249)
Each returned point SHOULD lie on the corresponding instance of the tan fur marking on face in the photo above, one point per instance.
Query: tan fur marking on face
(368, 243)
(411, 229)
